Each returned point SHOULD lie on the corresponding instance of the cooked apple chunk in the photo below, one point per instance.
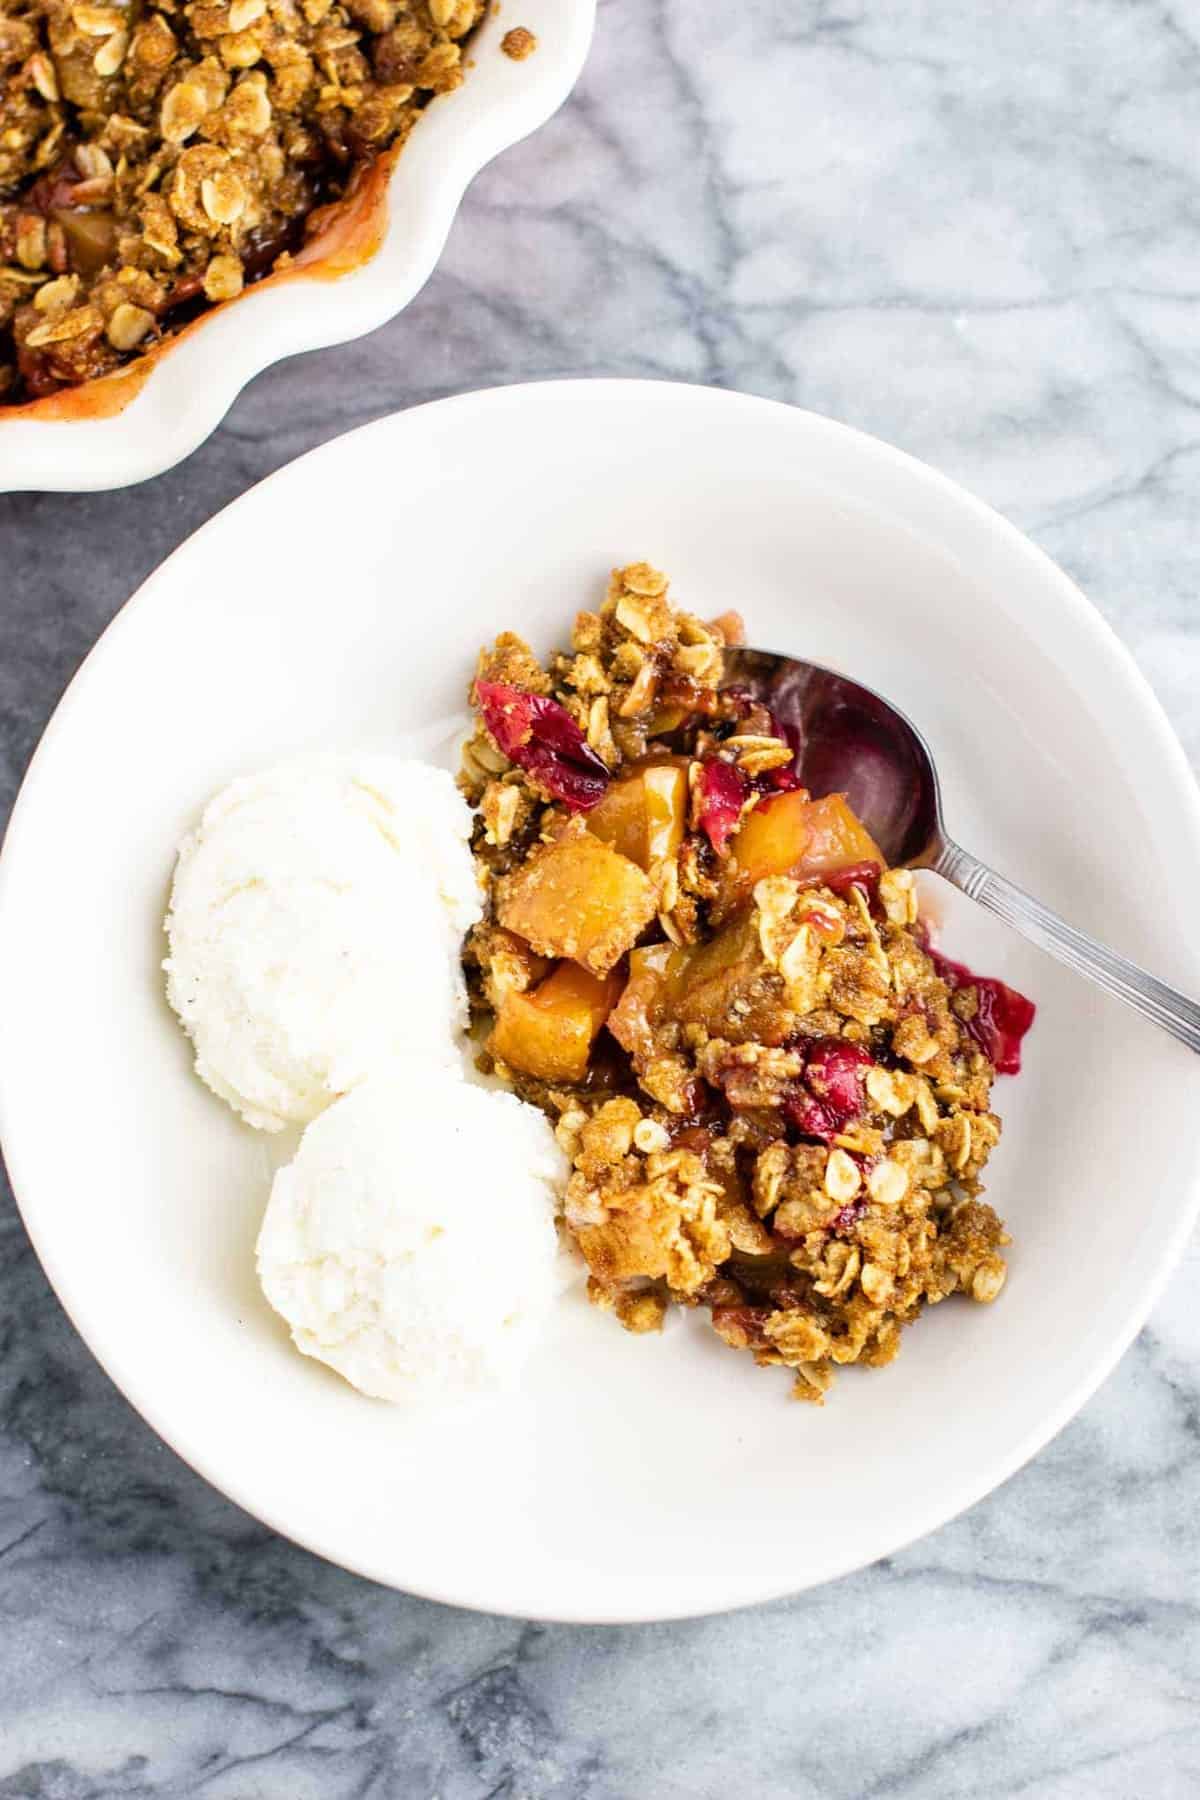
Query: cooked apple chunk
(644, 815)
(578, 898)
(635, 1018)
(549, 1032)
(724, 986)
(793, 835)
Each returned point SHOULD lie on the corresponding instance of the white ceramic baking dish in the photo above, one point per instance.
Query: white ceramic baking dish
(127, 427)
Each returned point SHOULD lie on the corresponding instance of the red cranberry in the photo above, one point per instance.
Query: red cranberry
(810, 1117)
(541, 737)
(1002, 1016)
(834, 1070)
(831, 1093)
(723, 792)
(863, 875)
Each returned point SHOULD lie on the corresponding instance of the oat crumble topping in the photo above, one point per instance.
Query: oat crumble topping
(774, 1094)
(518, 43)
(157, 155)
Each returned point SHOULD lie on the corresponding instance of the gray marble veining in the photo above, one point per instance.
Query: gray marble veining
(975, 230)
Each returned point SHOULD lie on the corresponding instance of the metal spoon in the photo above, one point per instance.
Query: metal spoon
(852, 741)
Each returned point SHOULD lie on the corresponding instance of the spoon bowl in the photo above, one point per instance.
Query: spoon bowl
(851, 740)
(854, 742)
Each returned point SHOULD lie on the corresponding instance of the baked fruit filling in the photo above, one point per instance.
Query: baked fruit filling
(774, 1093)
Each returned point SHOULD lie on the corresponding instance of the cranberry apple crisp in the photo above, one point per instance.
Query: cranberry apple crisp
(775, 1095)
(156, 155)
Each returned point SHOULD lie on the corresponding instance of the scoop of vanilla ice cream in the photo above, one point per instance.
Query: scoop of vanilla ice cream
(411, 1244)
(315, 926)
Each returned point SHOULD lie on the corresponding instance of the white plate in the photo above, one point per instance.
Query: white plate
(193, 385)
(632, 1478)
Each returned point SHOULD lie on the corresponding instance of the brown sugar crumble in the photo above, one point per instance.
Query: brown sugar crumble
(157, 155)
(518, 43)
(775, 1097)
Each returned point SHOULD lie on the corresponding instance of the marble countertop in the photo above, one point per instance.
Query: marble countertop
(974, 230)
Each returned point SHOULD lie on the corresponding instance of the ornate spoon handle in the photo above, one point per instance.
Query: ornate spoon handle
(1161, 1004)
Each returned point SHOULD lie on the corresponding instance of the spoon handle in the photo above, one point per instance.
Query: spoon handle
(1146, 994)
